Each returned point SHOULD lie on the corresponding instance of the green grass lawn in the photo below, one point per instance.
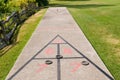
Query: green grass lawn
(100, 22)
(7, 60)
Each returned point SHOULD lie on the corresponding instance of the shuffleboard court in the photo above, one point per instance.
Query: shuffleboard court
(58, 50)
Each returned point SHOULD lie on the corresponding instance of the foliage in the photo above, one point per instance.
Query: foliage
(3, 8)
(8, 6)
(42, 2)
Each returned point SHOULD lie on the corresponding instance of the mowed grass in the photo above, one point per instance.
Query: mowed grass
(100, 22)
(7, 60)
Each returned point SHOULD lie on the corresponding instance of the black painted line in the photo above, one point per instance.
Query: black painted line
(42, 58)
(72, 57)
(58, 48)
(107, 75)
(58, 70)
(58, 63)
(31, 59)
(61, 58)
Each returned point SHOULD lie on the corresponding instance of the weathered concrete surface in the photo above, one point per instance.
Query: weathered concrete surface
(58, 34)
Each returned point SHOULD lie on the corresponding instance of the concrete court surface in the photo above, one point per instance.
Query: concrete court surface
(58, 50)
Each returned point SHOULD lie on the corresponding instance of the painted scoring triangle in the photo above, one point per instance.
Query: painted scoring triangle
(50, 50)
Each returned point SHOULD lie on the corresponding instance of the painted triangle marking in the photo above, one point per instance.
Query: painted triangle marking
(54, 52)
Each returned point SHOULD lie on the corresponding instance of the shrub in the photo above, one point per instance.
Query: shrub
(42, 2)
(3, 8)
(45, 2)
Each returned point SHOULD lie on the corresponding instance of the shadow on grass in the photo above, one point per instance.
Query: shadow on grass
(82, 6)
(7, 48)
